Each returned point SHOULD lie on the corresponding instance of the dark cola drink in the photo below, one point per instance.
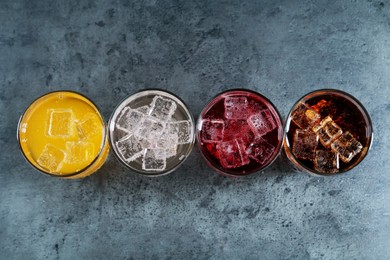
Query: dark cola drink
(239, 132)
(327, 132)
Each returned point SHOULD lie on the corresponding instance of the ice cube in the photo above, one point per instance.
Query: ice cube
(167, 141)
(347, 147)
(212, 130)
(168, 145)
(130, 148)
(89, 126)
(255, 107)
(346, 138)
(154, 160)
(262, 122)
(304, 144)
(232, 154)
(171, 151)
(129, 120)
(238, 129)
(61, 123)
(150, 129)
(326, 161)
(327, 130)
(236, 107)
(51, 158)
(80, 151)
(260, 150)
(183, 130)
(304, 116)
(162, 108)
(144, 109)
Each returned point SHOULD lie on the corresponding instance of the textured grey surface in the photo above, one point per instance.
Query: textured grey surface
(110, 49)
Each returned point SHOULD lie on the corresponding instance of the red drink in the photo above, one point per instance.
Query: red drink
(327, 132)
(239, 132)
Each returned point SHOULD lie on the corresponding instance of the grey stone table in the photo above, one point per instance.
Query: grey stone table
(108, 50)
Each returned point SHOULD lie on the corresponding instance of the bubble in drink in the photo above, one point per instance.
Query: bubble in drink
(162, 108)
(305, 144)
(262, 122)
(51, 158)
(326, 161)
(154, 160)
(236, 107)
(61, 123)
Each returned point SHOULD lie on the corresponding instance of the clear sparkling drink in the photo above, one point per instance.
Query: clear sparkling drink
(327, 132)
(239, 132)
(152, 132)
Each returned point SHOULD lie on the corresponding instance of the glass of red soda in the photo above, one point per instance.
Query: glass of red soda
(239, 132)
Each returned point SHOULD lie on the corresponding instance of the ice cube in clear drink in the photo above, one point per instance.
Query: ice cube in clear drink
(162, 108)
(260, 150)
(183, 130)
(154, 160)
(168, 142)
(304, 116)
(304, 144)
(212, 130)
(262, 122)
(130, 148)
(129, 119)
(236, 107)
(232, 154)
(144, 109)
(326, 161)
(61, 123)
(150, 128)
(51, 158)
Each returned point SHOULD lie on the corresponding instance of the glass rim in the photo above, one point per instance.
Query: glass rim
(319, 92)
(104, 139)
(140, 172)
(280, 143)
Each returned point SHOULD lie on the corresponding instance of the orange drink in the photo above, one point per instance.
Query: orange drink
(63, 134)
